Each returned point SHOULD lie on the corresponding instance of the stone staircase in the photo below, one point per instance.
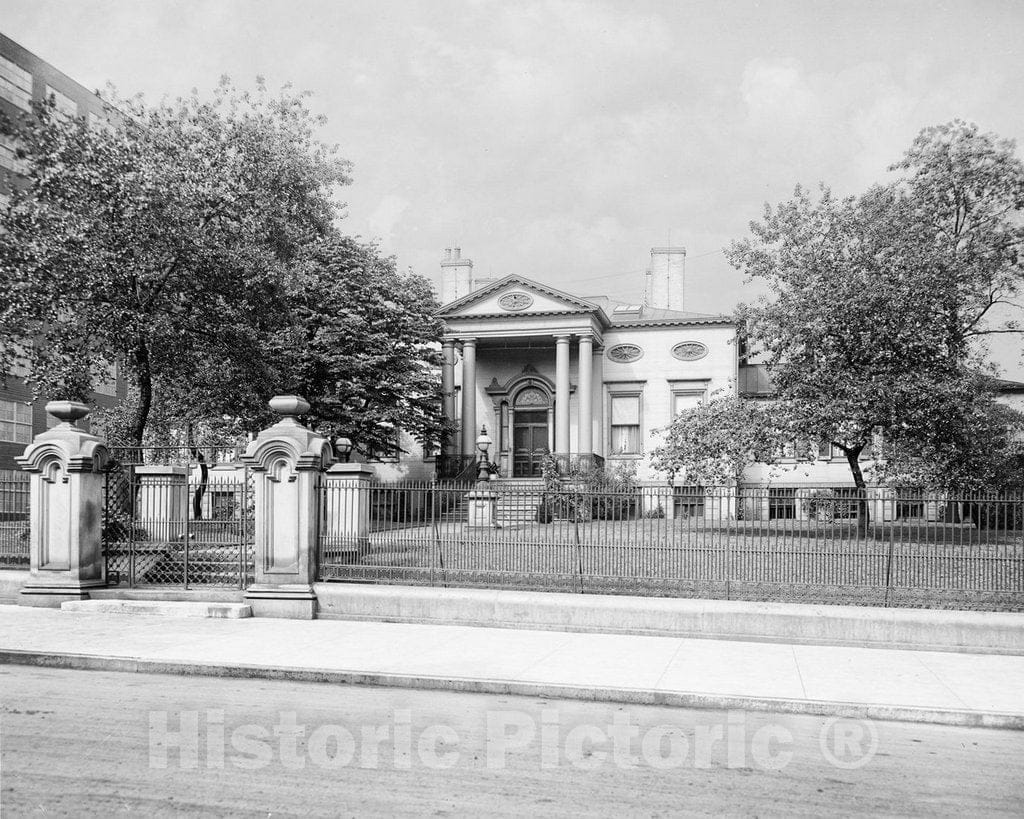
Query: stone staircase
(518, 500)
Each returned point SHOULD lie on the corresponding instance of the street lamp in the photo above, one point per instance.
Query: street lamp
(483, 443)
(344, 448)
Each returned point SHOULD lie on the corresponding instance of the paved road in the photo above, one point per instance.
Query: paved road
(90, 743)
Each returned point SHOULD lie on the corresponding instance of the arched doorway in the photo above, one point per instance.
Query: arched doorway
(530, 413)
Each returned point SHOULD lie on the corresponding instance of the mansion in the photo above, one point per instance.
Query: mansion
(590, 380)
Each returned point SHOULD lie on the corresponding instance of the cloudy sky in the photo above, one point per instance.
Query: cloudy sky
(562, 140)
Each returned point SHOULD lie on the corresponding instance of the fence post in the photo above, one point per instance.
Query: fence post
(288, 460)
(66, 510)
(348, 510)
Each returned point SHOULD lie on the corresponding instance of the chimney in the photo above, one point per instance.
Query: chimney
(667, 274)
(456, 276)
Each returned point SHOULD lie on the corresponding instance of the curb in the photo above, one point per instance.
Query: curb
(629, 696)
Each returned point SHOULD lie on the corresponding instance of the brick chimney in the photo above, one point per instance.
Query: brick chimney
(456, 275)
(666, 278)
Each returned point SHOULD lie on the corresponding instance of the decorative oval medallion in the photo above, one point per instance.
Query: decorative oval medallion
(690, 351)
(624, 353)
(515, 301)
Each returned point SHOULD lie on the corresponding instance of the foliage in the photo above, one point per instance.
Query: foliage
(964, 193)
(583, 493)
(161, 243)
(712, 443)
(361, 347)
(827, 505)
(874, 301)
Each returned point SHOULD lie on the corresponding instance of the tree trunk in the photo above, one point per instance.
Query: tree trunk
(853, 459)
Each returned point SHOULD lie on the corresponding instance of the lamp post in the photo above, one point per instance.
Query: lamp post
(344, 448)
(483, 443)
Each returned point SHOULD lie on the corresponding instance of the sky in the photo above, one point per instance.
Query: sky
(563, 140)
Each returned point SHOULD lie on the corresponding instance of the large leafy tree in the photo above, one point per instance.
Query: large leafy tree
(874, 302)
(362, 347)
(162, 242)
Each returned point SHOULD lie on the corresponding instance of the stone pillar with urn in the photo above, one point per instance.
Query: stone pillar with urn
(66, 510)
(288, 461)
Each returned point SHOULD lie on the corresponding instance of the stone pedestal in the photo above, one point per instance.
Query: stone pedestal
(347, 511)
(162, 501)
(288, 460)
(483, 504)
(66, 510)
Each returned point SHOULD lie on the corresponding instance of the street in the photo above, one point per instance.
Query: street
(92, 743)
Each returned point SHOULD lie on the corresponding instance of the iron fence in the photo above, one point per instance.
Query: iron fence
(178, 529)
(809, 544)
(14, 519)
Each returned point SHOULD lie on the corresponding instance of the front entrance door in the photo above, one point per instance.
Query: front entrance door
(529, 442)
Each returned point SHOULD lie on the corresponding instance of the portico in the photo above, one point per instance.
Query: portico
(524, 361)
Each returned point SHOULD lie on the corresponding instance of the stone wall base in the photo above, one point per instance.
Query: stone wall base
(288, 602)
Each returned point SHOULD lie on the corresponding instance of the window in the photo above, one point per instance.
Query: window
(909, 503)
(781, 503)
(687, 394)
(65, 105)
(625, 426)
(8, 159)
(15, 422)
(689, 501)
(15, 84)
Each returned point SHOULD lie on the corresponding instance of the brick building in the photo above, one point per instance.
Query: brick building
(25, 77)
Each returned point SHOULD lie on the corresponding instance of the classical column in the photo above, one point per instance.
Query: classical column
(448, 386)
(598, 393)
(562, 394)
(469, 430)
(585, 440)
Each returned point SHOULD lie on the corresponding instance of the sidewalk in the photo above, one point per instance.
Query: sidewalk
(922, 686)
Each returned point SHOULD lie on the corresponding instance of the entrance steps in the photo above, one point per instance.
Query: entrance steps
(519, 500)
(159, 608)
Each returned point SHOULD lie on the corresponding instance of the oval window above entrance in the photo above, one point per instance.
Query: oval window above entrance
(531, 397)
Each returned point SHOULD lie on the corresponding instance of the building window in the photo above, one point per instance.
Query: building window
(781, 503)
(15, 84)
(909, 503)
(625, 425)
(682, 401)
(64, 104)
(15, 422)
(8, 159)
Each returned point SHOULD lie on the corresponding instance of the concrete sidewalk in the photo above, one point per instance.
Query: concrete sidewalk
(924, 686)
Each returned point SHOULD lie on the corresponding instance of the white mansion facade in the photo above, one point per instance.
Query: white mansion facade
(589, 379)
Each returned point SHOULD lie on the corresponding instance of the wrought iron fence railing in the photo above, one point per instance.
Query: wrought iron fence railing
(809, 543)
(14, 519)
(177, 530)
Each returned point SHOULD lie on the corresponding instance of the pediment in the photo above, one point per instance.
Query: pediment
(515, 295)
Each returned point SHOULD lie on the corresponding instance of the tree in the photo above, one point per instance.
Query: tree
(362, 347)
(162, 243)
(712, 443)
(965, 194)
(873, 302)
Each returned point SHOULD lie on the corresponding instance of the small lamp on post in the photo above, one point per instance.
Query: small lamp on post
(344, 447)
(483, 443)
